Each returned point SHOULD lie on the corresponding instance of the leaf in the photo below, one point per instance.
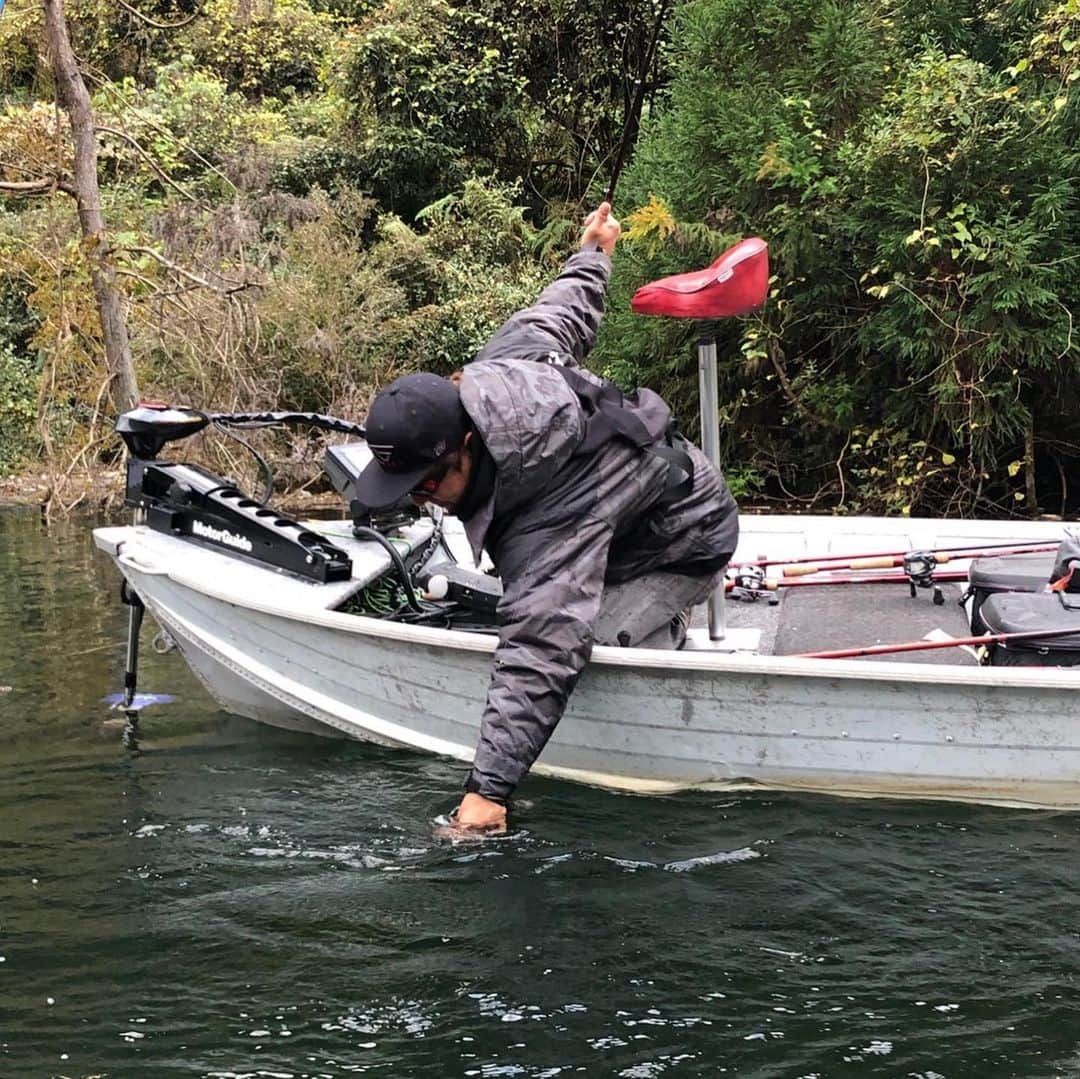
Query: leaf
(948, 459)
(652, 223)
(1015, 466)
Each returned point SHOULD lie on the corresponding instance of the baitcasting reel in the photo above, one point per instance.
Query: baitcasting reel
(919, 567)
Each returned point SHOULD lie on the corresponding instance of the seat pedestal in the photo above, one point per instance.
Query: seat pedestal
(709, 396)
(735, 284)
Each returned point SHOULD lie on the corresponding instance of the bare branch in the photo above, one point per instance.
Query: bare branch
(158, 170)
(45, 185)
(234, 286)
(23, 188)
(153, 22)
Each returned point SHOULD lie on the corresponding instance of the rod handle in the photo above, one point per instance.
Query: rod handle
(884, 562)
(801, 571)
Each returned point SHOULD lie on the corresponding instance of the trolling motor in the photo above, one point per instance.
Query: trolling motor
(193, 504)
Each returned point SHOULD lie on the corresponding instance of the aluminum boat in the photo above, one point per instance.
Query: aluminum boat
(311, 626)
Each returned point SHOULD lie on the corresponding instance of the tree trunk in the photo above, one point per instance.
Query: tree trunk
(1029, 467)
(74, 98)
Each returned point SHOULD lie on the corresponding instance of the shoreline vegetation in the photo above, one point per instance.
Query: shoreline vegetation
(281, 204)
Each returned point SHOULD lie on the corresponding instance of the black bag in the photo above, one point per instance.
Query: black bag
(1012, 573)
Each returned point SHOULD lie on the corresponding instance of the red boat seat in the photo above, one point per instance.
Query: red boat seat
(735, 284)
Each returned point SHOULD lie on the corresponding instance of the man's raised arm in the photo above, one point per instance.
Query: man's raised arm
(565, 317)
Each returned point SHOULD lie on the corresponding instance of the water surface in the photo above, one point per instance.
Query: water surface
(233, 901)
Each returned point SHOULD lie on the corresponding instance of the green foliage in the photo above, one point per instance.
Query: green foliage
(328, 168)
(436, 99)
(19, 375)
(533, 91)
(19, 46)
(191, 129)
(309, 196)
(915, 174)
(261, 49)
(337, 320)
(968, 299)
(18, 407)
(467, 271)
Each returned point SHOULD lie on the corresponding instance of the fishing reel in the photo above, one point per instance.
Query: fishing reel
(919, 567)
(750, 585)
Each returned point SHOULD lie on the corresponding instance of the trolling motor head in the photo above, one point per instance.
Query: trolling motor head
(146, 429)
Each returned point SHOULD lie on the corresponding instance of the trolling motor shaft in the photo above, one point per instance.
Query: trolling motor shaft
(136, 610)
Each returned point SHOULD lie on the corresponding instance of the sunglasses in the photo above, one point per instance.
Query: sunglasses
(433, 480)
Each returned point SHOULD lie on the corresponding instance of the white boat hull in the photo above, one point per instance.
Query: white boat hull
(639, 720)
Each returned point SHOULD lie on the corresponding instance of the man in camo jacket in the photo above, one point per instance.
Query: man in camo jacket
(604, 525)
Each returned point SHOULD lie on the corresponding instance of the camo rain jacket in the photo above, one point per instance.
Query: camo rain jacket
(560, 524)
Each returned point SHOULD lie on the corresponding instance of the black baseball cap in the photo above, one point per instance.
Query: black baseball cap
(412, 425)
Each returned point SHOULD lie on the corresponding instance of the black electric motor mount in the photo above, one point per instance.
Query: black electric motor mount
(193, 503)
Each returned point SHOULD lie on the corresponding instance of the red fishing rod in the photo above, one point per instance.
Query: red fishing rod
(889, 561)
(942, 554)
(919, 646)
(770, 584)
(751, 584)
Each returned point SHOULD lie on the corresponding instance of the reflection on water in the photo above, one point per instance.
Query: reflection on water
(234, 901)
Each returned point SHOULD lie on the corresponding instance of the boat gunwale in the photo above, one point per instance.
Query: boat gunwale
(650, 662)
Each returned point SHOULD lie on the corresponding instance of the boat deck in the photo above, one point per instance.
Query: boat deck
(852, 616)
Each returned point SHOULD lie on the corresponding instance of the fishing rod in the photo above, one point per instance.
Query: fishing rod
(889, 561)
(918, 646)
(987, 549)
(751, 584)
(773, 583)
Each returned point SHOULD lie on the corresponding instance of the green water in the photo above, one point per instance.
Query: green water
(237, 902)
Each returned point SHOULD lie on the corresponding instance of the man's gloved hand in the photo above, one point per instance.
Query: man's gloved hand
(602, 229)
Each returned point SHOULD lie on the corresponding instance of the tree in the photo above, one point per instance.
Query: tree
(74, 99)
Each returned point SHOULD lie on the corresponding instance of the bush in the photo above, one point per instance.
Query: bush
(436, 99)
(924, 228)
(19, 376)
(262, 50)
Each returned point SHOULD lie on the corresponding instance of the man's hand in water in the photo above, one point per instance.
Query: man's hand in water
(478, 816)
(602, 229)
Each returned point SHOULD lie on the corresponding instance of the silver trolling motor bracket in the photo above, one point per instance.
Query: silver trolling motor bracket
(735, 284)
